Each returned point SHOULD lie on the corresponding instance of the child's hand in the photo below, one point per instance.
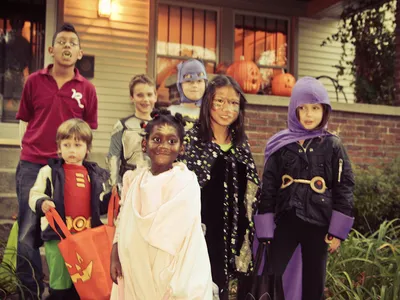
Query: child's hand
(115, 268)
(46, 205)
(334, 243)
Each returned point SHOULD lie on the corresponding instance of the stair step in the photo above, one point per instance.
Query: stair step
(9, 156)
(7, 181)
(8, 205)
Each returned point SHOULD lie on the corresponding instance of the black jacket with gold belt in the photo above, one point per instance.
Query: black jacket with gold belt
(318, 157)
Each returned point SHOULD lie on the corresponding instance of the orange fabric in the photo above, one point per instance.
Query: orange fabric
(76, 192)
(87, 254)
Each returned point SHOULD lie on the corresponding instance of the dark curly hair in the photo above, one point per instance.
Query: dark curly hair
(164, 116)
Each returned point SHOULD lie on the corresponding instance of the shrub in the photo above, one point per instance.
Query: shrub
(376, 196)
(366, 267)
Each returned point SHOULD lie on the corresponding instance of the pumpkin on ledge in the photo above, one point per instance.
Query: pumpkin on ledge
(282, 84)
(247, 75)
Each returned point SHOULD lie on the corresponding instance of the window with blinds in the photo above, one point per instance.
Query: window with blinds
(183, 33)
(263, 40)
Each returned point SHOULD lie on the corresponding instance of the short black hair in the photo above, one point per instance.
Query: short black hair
(164, 116)
(68, 27)
(237, 127)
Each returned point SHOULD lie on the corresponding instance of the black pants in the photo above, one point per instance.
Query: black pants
(29, 263)
(291, 231)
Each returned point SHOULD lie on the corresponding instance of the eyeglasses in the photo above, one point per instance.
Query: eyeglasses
(233, 104)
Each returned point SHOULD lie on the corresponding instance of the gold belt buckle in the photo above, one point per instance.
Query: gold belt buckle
(317, 184)
(79, 223)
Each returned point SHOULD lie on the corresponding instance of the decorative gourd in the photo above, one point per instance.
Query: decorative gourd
(247, 75)
(282, 84)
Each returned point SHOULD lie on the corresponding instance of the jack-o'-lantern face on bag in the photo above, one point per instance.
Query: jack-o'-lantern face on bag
(83, 270)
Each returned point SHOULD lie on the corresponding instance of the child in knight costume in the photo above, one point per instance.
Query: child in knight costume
(191, 84)
(125, 145)
(307, 192)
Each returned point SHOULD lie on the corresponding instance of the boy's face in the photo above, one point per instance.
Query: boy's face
(310, 115)
(194, 90)
(144, 98)
(66, 49)
(73, 151)
(163, 147)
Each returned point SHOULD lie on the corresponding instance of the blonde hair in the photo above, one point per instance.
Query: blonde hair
(76, 128)
(141, 78)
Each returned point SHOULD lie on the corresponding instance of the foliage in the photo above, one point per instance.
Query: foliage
(368, 26)
(376, 195)
(366, 267)
(10, 285)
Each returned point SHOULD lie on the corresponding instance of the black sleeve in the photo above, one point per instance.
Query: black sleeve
(343, 180)
(271, 182)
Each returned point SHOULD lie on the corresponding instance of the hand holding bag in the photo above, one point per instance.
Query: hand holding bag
(87, 253)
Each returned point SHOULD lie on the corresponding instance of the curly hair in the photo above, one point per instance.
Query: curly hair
(164, 116)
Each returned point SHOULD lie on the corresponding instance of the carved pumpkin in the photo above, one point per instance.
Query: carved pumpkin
(247, 75)
(282, 84)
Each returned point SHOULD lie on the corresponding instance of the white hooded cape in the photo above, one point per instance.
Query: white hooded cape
(161, 244)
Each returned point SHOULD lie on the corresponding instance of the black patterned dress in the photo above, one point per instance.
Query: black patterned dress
(229, 183)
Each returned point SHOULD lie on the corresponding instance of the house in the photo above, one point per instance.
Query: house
(127, 37)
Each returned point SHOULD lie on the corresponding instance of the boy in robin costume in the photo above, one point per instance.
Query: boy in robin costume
(76, 188)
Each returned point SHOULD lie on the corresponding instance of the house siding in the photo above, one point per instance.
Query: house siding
(120, 46)
(314, 60)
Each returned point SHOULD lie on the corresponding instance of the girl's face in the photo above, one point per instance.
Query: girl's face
(163, 147)
(144, 98)
(310, 115)
(225, 106)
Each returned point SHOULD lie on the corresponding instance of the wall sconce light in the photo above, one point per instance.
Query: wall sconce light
(105, 8)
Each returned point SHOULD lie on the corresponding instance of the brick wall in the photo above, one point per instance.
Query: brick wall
(369, 139)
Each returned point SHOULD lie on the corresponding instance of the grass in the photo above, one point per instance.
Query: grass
(367, 266)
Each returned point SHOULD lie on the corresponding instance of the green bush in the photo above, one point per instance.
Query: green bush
(376, 196)
(366, 267)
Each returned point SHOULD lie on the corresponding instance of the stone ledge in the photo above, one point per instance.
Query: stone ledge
(269, 100)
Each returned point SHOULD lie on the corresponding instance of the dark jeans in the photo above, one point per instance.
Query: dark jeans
(291, 231)
(29, 264)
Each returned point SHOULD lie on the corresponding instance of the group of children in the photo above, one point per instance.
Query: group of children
(191, 200)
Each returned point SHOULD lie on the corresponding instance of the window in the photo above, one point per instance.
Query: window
(185, 32)
(22, 31)
(263, 40)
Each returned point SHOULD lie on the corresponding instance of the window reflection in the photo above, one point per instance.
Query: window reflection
(21, 53)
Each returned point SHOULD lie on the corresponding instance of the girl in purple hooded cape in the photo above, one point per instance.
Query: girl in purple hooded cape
(306, 201)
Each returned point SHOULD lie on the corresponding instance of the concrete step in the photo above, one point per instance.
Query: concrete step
(7, 180)
(9, 156)
(8, 205)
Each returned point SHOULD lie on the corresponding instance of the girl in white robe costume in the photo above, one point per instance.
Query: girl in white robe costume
(161, 245)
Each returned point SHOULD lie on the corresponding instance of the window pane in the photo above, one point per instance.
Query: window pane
(249, 38)
(262, 40)
(184, 32)
(211, 35)
(187, 32)
(174, 31)
(199, 38)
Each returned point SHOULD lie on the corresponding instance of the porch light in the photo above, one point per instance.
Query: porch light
(105, 8)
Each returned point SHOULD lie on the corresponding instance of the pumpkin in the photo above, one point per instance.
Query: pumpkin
(282, 84)
(247, 75)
